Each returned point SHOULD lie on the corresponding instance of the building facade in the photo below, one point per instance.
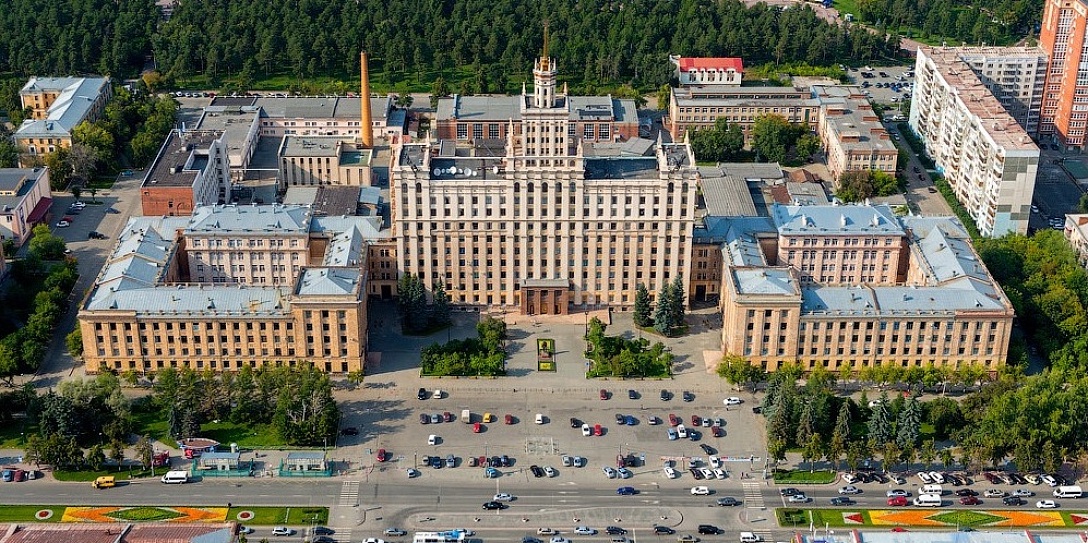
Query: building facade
(1076, 233)
(905, 291)
(533, 225)
(1064, 115)
(708, 71)
(986, 156)
(698, 107)
(25, 200)
(852, 133)
(57, 105)
(323, 160)
(192, 169)
(216, 290)
(1014, 75)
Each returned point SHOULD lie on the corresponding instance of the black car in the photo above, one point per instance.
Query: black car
(424, 418)
(349, 431)
(789, 491)
(323, 539)
(436, 462)
(757, 410)
(492, 506)
(698, 475)
(631, 394)
(530, 539)
(966, 492)
(496, 462)
(537, 471)
(323, 530)
(728, 501)
(842, 500)
(663, 530)
(112, 210)
(665, 395)
(688, 396)
(422, 394)
(709, 529)
(706, 448)
(615, 530)
(504, 461)
(575, 423)
(1012, 500)
(620, 419)
(694, 435)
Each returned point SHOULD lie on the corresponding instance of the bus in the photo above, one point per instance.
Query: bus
(451, 536)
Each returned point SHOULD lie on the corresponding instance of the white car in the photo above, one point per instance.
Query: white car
(559, 539)
(437, 394)
(567, 461)
(579, 462)
(732, 400)
(700, 491)
(653, 421)
(586, 430)
(850, 478)
(671, 472)
(624, 473)
(245, 530)
(78, 205)
(798, 498)
(550, 471)
(1046, 504)
(411, 472)
(540, 418)
(544, 531)
(63, 224)
(1049, 480)
(681, 431)
(395, 532)
(849, 489)
(925, 478)
(282, 530)
(937, 477)
(672, 434)
(707, 473)
(502, 497)
(994, 493)
(609, 472)
(720, 473)
(715, 462)
(432, 439)
(897, 493)
(1022, 493)
(373, 540)
(585, 530)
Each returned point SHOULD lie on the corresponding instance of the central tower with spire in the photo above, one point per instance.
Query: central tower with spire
(545, 115)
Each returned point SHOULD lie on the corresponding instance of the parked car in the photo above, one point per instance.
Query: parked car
(382, 456)
(604, 394)
(395, 532)
(663, 530)
(508, 419)
(688, 396)
(282, 530)
(422, 394)
(665, 395)
(537, 471)
(349, 431)
(609, 472)
(631, 394)
(732, 400)
(447, 416)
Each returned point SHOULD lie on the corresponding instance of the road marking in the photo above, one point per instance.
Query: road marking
(753, 496)
(343, 535)
(349, 493)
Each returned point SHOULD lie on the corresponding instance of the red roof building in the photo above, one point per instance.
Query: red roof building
(708, 70)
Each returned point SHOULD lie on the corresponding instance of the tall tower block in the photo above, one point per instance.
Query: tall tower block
(366, 124)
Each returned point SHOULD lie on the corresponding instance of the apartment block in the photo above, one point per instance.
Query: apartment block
(1014, 75)
(708, 71)
(192, 169)
(989, 160)
(25, 200)
(852, 134)
(1064, 115)
(323, 160)
(908, 291)
(232, 286)
(57, 105)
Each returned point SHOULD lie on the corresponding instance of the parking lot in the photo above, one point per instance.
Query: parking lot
(886, 84)
(388, 412)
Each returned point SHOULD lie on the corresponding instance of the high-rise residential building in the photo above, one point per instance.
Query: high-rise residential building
(1014, 75)
(986, 156)
(1064, 115)
(545, 220)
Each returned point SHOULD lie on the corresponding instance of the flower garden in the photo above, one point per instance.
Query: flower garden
(932, 518)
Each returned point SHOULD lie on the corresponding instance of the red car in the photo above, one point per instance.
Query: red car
(382, 455)
(447, 416)
(477, 427)
(604, 394)
(696, 421)
(716, 431)
(597, 430)
(898, 501)
(509, 418)
(674, 420)
(482, 461)
(970, 500)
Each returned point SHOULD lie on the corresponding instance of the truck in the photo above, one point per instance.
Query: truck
(160, 459)
(466, 416)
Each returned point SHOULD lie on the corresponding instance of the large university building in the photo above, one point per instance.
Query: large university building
(833, 285)
(232, 286)
(545, 221)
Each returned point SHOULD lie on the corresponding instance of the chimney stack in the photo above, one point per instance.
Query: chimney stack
(366, 125)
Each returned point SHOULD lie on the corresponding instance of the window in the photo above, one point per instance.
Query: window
(587, 132)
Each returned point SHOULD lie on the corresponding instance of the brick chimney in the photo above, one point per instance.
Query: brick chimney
(366, 124)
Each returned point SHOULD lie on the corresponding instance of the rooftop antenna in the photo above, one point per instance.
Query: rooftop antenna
(544, 59)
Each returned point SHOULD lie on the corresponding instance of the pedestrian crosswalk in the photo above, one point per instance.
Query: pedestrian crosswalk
(753, 495)
(349, 494)
(343, 535)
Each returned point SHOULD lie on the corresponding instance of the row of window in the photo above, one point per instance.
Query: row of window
(225, 364)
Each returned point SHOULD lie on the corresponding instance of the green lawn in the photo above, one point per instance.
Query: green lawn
(251, 436)
(11, 435)
(26, 513)
(803, 476)
(270, 516)
(89, 475)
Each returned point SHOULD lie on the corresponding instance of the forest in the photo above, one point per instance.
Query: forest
(596, 42)
(977, 22)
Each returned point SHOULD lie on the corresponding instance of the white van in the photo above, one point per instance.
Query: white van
(1068, 492)
(928, 500)
(932, 489)
(749, 537)
(175, 477)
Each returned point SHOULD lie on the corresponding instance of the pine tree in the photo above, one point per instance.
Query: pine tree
(842, 423)
(642, 306)
(662, 315)
(677, 302)
(880, 427)
(806, 426)
(909, 427)
(440, 308)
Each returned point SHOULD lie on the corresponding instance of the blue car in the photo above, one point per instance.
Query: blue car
(8, 475)
(491, 473)
(631, 420)
(626, 491)
(436, 461)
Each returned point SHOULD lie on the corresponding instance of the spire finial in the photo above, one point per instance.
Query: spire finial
(544, 58)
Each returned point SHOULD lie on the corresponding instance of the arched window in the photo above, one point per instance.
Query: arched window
(529, 188)
(543, 187)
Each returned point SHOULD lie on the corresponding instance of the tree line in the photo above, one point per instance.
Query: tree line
(482, 355)
(978, 22)
(596, 42)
